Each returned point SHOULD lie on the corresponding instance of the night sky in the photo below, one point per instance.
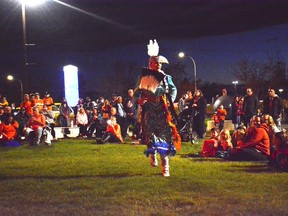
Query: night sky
(93, 34)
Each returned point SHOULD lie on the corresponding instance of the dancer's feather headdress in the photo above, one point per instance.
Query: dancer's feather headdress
(153, 50)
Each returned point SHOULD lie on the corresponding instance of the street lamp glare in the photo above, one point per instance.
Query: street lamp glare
(10, 77)
(181, 54)
(32, 3)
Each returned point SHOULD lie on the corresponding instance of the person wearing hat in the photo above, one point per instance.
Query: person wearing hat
(158, 132)
(48, 101)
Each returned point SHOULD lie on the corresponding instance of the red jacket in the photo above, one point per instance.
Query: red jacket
(259, 139)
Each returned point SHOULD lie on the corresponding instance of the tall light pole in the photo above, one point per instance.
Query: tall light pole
(11, 78)
(182, 55)
(25, 63)
(235, 87)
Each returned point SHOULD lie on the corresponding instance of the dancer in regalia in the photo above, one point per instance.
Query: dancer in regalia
(154, 88)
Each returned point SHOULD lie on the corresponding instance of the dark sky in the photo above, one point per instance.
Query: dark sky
(94, 33)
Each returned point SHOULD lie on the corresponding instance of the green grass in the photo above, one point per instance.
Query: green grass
(78, 177)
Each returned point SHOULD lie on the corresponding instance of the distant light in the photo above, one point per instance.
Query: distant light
(10, 77)
(235, 82)
(32, 3)
(71, 84)
(181, 54)
(280, 90)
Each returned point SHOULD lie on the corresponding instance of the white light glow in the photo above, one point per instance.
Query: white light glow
(32, 3)
(10, 77)
(181, 54)
(71, 84)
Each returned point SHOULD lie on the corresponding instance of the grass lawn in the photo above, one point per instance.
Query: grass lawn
(78, 177)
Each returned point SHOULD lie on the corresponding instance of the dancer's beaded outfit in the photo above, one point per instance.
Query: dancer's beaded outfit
(158, 132)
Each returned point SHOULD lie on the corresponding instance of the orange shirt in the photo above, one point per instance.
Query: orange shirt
(27, 105)
(116, 130)
(36, 121)
(49, 102)
(39, 103)
(221, 113)
(9, 131)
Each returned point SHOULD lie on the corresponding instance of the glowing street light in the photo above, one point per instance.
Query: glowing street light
(182, 55)
(25, 3)
(11, 78)
(235, 83)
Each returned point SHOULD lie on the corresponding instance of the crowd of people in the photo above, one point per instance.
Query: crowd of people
(93, 119)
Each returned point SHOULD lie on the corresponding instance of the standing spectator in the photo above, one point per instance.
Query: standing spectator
(182, 102)
(22, 118)
(250, 106)
(240, 112)
(7, 113)
(38, 101)
(64, 117)
(131, 108)
(32, 99)
(198, 109)
(35, 126)
(221, 114)
(27, 105)
(82, 122)
(88, 105)
(48, 101)
(234, 109)
(121, 115)
(113, 100)
(272, 106)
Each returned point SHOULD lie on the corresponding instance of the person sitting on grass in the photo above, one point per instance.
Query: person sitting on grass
(238, 135)
(224, 144)
(8, 132)
(279, 158)
(256, 146)
(210, 145)
(112, 134)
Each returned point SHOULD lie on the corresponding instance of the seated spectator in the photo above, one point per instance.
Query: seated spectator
(224, 144)
(82, 122)
(95, 124)
(7, 113)
(106, 109)
(256, 146)
(272, 129)
(238, 135)
(22, 118)
(64, 117)
(8, 132)
(35, 126)
(210, 145)
(112, 134)
(49, 116)
(279, 158)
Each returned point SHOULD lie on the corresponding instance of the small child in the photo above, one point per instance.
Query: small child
(210, 145)
(221, 113)
(224, 144)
